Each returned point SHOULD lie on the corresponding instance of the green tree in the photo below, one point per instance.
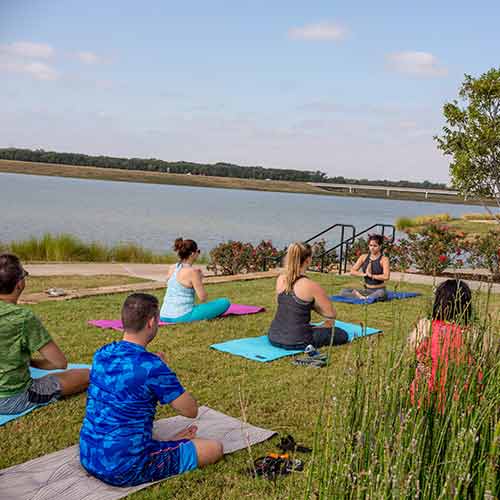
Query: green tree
(471, 136)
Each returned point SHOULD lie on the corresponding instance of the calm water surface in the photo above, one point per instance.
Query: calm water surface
(154, 215)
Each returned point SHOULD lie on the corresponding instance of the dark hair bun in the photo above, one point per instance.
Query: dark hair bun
(178, 244)
(185, 248)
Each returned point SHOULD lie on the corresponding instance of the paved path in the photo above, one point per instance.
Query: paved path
(153, 272)
(35, 298)
(156, 274)
(422, 279)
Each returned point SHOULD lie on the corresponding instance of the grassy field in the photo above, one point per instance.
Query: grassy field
(111, 174)
(278, 396)
(469, 227)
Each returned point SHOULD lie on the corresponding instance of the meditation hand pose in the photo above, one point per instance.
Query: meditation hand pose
(183, 282)
(440, 341)
(297, 295)
(126, 383)
(374, 268)
(21, 335)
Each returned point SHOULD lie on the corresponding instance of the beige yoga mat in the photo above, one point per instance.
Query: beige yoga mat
(59, 475)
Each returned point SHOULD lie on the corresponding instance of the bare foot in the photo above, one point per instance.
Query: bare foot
(358, 295)
(188, 433)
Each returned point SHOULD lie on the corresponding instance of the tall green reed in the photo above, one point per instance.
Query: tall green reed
(68, 248)
(373, 441)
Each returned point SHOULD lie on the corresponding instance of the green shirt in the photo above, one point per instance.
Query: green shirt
(21, 334)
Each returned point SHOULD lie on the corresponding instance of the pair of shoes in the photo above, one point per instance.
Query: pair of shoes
(316, 362)
(271, 466)
(288, 443)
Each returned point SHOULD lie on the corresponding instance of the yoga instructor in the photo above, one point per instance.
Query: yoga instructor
(374, 268)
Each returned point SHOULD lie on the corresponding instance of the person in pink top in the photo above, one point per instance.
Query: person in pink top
(440, 341)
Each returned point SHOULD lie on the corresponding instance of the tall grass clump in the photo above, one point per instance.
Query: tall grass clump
(426, 219)
(372, 441)
(68, 248)
(481, 216)
(403, 223)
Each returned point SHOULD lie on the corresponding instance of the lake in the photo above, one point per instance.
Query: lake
(153, 215)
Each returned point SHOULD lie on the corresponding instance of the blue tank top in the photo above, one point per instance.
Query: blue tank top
(179, 300)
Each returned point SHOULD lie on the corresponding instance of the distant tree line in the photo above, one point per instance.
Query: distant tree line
(184, 167)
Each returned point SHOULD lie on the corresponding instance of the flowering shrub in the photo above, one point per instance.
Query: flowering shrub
(359, 247)
(484, 251)
(398, 253)
(329, 261)
(235, 257)
(434, 248)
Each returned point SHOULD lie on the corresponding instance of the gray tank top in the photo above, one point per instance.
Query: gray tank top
(376, 269)
(291, 324)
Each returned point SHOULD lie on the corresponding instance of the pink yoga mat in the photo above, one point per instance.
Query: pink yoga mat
(234, 310)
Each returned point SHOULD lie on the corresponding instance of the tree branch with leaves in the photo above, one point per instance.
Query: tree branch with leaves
(471, 137)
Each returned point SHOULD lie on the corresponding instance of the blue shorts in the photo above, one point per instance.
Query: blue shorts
(168, 458)
(162, 459)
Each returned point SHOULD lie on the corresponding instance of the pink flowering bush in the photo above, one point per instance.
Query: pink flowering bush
(484, 251)
(235, 257)
(329, 261)
(398, 253)
(434, 248)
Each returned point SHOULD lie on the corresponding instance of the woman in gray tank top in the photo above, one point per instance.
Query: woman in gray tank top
(374, 268)
(297, 296)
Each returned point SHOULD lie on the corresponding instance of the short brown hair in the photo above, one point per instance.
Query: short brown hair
(11, 272)
(137, 310)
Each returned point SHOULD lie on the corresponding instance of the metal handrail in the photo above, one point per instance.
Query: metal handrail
(349, 241)
(321, 233)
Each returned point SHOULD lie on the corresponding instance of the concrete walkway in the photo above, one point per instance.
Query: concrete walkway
(156, 274)
(422, 279)
(35, 298)
(153, 272)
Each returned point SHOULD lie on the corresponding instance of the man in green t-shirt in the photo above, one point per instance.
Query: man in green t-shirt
(21, 335)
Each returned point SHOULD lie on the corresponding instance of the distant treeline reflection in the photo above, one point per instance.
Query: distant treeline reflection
(184, 167)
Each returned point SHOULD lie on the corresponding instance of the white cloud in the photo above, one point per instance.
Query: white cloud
(27, 49)
(88, 57)
(415, 63)
(38, 70)
(326, 30)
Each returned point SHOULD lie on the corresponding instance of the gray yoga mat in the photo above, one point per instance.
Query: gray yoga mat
(59, 475)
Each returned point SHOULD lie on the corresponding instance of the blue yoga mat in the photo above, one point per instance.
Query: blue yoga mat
(371, 300)
(260, 349)
(37, 373)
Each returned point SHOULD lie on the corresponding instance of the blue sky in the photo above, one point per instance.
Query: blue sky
(349, 88)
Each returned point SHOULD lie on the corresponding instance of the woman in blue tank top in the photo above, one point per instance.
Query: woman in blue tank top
(374, 268)
(184, 282)
(297, 296)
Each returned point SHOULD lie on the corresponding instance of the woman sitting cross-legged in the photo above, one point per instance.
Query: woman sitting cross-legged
(374, 268)
(184, 281)
(297, 296)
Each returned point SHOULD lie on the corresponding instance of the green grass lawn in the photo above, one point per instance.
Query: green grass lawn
(276, 395)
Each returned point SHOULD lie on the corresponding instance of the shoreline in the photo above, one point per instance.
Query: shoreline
(122, 175)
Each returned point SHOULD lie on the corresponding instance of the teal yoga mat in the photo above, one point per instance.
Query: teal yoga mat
(261, 350)
(37, 373)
